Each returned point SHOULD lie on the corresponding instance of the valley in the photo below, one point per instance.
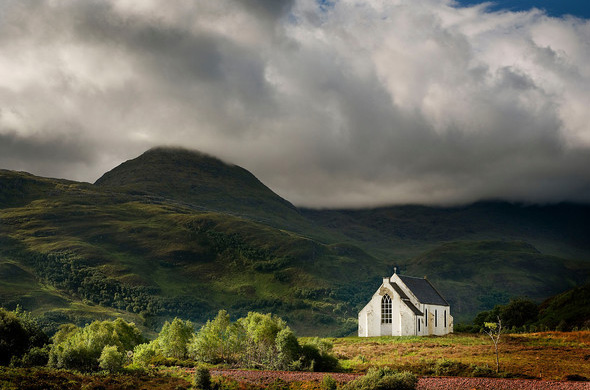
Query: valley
(177, 233)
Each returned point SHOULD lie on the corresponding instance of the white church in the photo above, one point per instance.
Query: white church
(405, 306)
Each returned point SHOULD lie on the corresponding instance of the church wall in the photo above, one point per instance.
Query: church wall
(434, 326)
(370, 317)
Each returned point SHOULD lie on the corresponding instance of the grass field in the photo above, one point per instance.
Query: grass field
(548, 355)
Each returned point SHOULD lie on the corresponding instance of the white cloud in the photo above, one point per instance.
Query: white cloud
(359, 103)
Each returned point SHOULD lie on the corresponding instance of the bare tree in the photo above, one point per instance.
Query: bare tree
(494, 330)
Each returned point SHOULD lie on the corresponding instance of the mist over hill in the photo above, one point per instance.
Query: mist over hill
(174, 232)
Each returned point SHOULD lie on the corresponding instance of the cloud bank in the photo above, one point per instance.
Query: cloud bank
(331, 104)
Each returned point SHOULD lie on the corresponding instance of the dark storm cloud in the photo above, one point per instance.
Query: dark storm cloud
(355, 104)
(271, 9)
(45, 155)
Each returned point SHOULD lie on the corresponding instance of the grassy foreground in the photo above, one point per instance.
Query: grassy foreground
(547, 355)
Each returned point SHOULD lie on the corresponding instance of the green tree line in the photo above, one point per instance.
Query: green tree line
(258, 340)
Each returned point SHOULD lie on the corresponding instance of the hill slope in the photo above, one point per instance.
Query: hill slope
(80, 251)
(476, 275)
(176, 233)
(568, 310)
(402, 232)
(203, 182)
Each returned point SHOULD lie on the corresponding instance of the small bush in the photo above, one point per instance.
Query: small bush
(329, 383)
(316, 355)
(576, 378)
(36, 357)
(446, 367)
(278, 384)
(202, 379)
(484, 372)
(384, 379)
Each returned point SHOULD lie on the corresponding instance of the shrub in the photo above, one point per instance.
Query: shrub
(384, 379)
(316, 356)
(81, 348)
(479, 371)
(202, 380)
(288, 349)
(143, 354)
(35, 357)
(259, 341)
(447, 367)
(576, 378)
(329, 383)
(111, 359)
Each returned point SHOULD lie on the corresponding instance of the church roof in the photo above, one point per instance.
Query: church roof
(423, 290)
(405, 299)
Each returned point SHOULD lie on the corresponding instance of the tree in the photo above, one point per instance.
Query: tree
(288, 349)
(519, 312)
(19, 332)
(143, 353)
(218, 341)
(261, 333)
(494, 330)
(81, 348)
(174, 338)
(111, 359)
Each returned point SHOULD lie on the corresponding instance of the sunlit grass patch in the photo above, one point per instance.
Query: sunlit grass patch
(551, 355)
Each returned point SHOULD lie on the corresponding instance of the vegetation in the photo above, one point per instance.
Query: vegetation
(385, 379)
(202, 378)
(547, 355)
(263, 341)
(569, 311)
(494, 330)
(174, 233)
(100, 344)
(21, 339)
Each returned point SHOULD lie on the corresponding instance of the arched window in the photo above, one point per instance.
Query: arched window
(425, 317)
(436, 318)
(445, 318)
(418, 324)
(386, 309)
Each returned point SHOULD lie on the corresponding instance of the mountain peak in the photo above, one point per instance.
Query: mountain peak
(199, 180)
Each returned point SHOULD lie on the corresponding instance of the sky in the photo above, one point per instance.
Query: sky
(341, 103)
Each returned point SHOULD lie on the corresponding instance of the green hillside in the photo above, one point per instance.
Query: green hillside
(177, 233)
(202, 182)
(83, 247)
(477, 275)
(568, 310)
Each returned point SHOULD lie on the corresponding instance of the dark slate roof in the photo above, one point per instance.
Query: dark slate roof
(399, 290)
(406, 299)
(423, 290)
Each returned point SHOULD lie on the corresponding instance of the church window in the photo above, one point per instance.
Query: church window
(435, 318)
(445, 318)
(426, 317)
(386, 309)
(418, 324)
